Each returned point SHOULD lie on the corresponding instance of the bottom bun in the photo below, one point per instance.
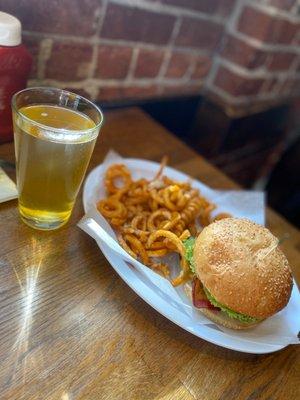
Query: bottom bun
(219, 317)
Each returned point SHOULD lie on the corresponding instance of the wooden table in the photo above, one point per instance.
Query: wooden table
(70, 328)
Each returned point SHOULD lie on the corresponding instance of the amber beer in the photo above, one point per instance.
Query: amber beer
(53, 146)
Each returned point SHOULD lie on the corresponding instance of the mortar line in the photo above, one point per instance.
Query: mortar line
(169, 10)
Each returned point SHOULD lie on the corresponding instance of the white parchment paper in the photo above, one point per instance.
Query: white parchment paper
(8, 189)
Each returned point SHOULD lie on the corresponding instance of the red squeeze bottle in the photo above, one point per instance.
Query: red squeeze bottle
(15, 64)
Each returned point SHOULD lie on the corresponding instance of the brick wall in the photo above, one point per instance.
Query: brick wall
(241, 53)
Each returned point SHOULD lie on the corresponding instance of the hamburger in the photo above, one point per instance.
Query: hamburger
(240, 276)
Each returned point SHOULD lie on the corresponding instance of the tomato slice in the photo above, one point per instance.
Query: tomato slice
(200, 299)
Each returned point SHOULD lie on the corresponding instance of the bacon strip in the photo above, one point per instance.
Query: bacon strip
(200, 299)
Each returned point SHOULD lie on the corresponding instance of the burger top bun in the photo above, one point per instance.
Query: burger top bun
(239, 262)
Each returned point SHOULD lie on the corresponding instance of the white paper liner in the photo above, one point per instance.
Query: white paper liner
(8, 189)
(280, 329)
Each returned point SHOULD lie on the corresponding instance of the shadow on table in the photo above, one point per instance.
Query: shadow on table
(177, 333)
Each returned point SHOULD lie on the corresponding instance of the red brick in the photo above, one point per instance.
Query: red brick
(148, 63)
(129, 23)
(281, 61)
(55, 16)
(117, 93)
(113, 62)
(134, 92)
(291, 86)
(68, 61)
(270, 85)
(282, 4)
(202, 67)
(221, 7)
(287, 85)
(266, 27)
(284, 32)
(199, 33)
(178, 65)
(241, 53)
(237, 85)
(225, 7)
(180, 90)
(80, 92)
(288, 33)
(296, 87)
(33, 45)
(109, 93)
(262, 26)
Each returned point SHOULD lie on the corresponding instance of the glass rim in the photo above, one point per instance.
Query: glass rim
(53, 129)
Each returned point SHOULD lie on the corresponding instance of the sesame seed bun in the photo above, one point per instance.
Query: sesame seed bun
(239, 262)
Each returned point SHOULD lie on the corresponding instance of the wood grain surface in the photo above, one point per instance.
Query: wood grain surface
(71, 329)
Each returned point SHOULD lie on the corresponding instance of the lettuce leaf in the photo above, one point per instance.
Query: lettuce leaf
(232, 314)
(189, 251)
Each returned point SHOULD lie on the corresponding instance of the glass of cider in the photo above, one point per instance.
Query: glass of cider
(55, 132)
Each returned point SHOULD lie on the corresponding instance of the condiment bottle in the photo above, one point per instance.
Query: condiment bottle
(15, 64)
